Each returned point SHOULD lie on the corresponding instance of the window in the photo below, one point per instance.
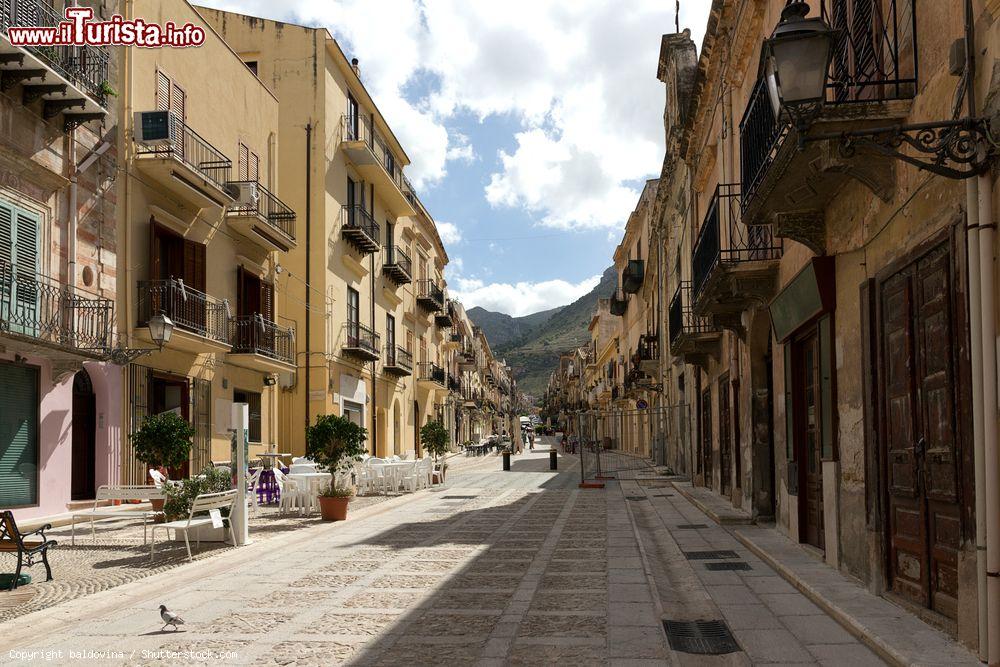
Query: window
(423, 351)
(352, 118)
(252, 399)
(18, 435)
(409, 341)
(253, 295)
(252, 66)
(19, 232)
(390, 333)
(389, 163)
(249, 164)
(354, 412)
(390, 233)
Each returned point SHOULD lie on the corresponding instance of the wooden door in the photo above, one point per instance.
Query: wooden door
(725, 444)
(706, 435)
(918, 426)
(808, 443)
(170, 393)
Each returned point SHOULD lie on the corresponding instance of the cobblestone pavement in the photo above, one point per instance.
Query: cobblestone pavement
(519, 568)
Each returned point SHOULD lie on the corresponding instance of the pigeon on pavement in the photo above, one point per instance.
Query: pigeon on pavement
(169, 618)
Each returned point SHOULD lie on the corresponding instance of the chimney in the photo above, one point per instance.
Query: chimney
(354, 66)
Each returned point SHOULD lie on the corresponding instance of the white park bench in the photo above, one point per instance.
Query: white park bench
(126, 493)
(203, 504)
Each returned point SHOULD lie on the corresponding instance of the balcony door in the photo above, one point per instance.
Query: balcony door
(171, 393)
(352, 118)
(171, 97)
(174, 258)
(19, 266)
(353, 317)
(390, 241)
(390, 336)
(248, 167)
(254, 312)
(725, 442)
(808, 448)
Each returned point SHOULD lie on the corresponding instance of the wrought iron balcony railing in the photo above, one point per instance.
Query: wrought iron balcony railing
(431, 372)
(186, 145)
(619, 303)
(359, 228)
(186, 307)
(398, 357)
(681, 317)
(84, 66)
(42, 308)
(875, 59)
(454, 383)
(648, 349)
(267, 207)
(359, 128)
(361, 340)
(252, 334)
(429, 295)
(398, 265)
(633, 275)
(723, 239)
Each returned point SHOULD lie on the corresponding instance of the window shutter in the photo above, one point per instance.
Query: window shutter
(253, 167)
(267, 301)
(18, 435)
(826, 387)
(789, 416)
(6, 233)
(162, 92)
(242, 163)
(194, 265)
(178, 102)
(241, 303)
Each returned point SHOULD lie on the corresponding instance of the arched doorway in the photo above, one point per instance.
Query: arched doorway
(84, 457)
(762, 459)
(396, 426)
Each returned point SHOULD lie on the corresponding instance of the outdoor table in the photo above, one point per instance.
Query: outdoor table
(309, 483)
(267, 487)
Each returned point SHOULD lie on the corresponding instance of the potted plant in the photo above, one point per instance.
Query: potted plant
(180, 497)
(333, 502)
(435, 441)
(335, 442)
(162, 442)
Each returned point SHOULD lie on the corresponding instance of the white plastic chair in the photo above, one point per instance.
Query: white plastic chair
(159, 479)
(410, 477)
(291, 495)
(378, 478)
(253, 481)
(299, 468)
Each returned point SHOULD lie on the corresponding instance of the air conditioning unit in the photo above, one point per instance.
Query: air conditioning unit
(245, 193)
(286, 379)
(151, 127)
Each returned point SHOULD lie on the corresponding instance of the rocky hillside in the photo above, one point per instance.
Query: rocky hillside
(532, 344)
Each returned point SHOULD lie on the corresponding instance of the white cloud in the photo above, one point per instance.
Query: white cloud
(449, 232)
(579, 76)
(521, 298)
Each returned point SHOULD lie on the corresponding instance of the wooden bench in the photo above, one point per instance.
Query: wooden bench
(29, 551)
(203, 504)
(121, 493)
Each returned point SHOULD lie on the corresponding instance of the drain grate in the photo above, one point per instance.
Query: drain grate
(459, 497)
(710, 555)
(728, 566)
(663, 495)
(691, 526)
(701, 637)
(636, 498)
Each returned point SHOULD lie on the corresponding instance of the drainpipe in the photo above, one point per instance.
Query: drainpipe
(308, 263)
(991, 457)
(74, 217)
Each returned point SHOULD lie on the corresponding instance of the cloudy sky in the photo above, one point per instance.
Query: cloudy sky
(532, 125)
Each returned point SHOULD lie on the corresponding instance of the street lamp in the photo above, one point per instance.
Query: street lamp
(796, 60)
(160, 329)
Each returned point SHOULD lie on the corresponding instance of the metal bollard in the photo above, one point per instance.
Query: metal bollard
(553, 460)
(506, 461)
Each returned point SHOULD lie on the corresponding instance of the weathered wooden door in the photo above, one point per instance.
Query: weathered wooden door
(725, 444)
(706, 435)
(918, 426)
(808, 445)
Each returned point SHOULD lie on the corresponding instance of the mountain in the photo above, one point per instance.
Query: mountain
(532, 344)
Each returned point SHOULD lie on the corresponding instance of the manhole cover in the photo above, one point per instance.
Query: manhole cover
(701, 637)
(729, 566)
(691, 526)
(636, 498)
(710, 555)
(459, 497)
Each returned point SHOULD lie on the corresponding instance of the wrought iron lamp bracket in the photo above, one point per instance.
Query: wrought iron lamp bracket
(957, 149)
(123, 356)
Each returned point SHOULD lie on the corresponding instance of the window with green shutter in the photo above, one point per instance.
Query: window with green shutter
(18, 268)
(18, 435)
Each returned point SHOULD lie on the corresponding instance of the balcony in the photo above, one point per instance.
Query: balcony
(70, 80)
(201, 322)
(443, 318)
(360, 342)
(734, 266)
(694, 337)
(261, 345)
(397, 266)
(647, 355)
(454, 383)
(632, 276)
(398, 361)
(358, 227)
(619, 303)
(430, 297)
(262, 218)
(178, 160)
(43, 315)
(376, 163)
(872, 78)
(430, 374)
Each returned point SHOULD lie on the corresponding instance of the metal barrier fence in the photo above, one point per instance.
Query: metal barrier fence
(624, 444)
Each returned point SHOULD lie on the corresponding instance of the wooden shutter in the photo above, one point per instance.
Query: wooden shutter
(244, 159)
(194, 265)
(178, 102)
(241, 293)
(789, 411)
(826, 387)
(253, 167)
(18, 435)
(267, 301)
(155, 251)
(162, 91)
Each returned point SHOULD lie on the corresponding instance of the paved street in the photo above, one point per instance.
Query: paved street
(495, 568)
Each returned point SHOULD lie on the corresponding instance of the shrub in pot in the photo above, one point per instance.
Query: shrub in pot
(163, 441)
(335, 443)
(435, 441)
(180, 497)
(333, 502)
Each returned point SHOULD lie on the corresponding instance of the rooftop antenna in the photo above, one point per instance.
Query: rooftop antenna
(677, 16)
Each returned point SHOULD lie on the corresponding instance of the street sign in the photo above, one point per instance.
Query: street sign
(641, 404)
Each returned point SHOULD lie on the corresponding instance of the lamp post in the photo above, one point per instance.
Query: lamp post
(160, 329)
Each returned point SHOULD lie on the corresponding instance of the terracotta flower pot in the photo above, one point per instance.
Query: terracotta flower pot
(333, 509)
